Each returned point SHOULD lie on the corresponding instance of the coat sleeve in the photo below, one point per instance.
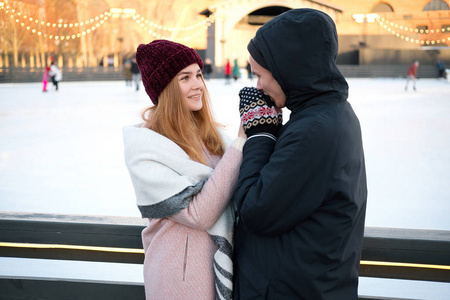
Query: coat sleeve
(281, 184)
(206, 207)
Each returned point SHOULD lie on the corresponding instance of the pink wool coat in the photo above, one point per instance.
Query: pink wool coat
(178, 249)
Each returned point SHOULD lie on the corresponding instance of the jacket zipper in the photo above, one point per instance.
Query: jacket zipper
(185, 258)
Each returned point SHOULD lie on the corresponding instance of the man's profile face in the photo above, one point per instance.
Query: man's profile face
(267, 83)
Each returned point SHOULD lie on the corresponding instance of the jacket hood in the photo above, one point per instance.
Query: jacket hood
(299, 48)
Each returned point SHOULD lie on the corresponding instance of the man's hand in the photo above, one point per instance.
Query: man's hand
(258, 113)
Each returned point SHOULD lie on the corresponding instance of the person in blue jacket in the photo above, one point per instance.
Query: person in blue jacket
(301, 194)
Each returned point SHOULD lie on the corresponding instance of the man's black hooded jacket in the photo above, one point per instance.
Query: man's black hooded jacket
(302, 199)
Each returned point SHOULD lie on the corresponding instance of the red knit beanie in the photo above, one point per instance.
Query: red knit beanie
(160, 61)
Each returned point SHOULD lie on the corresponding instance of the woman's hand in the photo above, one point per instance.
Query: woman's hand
(241, 132)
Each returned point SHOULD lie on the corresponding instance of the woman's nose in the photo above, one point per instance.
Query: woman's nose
(198, 84)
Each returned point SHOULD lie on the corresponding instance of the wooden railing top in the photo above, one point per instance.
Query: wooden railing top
(86, 219)
(413, 254)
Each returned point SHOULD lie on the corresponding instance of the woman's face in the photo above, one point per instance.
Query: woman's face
(191, 86)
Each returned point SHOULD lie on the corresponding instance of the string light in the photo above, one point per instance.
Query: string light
(104, 17)
(142, 20)
(152, 30)
(394, 30)
(59, 25)
(385, 22)
(150, 27)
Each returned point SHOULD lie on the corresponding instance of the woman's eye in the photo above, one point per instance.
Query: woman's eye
(199, 75)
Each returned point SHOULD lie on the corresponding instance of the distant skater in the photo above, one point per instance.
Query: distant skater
(227, 72)
(412, 74)
(55, 74)
(128, 74)
(45, 77)
(441, 69)
(236, 72)
(207, 70)
(136, 74)
(249, 71)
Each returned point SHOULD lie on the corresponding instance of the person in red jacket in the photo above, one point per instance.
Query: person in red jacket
(45, 78)
(227, 72)
(412, 74)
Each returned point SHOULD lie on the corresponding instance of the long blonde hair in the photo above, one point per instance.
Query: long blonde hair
(190, 130)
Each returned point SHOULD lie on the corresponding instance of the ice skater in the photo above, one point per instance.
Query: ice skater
(208, 69)
(136, 75)
(127, 71)
(411, 75)
(236, 73)
(55, 74)
(45, 77)
(227, 72)
(441, 69)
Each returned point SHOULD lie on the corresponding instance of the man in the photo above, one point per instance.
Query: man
(301, 194)
(441, 68)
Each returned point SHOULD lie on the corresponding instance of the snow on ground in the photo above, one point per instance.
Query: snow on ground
(62, 152)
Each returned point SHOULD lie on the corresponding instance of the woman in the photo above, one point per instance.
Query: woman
(183, 175)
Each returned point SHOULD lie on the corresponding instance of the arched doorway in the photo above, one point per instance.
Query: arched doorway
(236, 22)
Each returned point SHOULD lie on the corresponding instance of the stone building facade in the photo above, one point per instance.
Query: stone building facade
(106, 32)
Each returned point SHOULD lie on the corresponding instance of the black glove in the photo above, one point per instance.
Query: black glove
(258, 112)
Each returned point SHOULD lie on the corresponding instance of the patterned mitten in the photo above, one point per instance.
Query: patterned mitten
(258, 112)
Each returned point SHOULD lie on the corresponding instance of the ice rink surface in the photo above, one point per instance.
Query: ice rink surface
(62, 152)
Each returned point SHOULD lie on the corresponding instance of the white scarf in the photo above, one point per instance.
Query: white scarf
(165, 180)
